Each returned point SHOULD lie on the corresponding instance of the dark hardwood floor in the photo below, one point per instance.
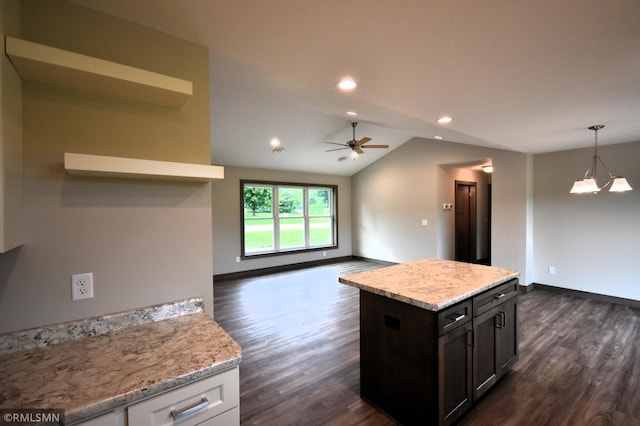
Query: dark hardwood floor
(579, 359)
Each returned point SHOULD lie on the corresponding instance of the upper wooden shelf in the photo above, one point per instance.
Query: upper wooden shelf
(100, 165)
(51, 65)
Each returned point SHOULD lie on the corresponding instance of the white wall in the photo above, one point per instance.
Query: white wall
(146, 242)
(393, 195)
(592, 240)
(227, 219)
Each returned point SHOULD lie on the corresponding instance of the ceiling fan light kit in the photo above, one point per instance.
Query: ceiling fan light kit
(347, 84)
(589, 184)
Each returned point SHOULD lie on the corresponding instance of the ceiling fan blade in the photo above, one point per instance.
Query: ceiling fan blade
(363, 141)
(359, 151)
(335, 143)
(376, 146)
(337, 149)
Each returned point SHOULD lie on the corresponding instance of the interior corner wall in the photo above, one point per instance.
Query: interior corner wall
(227, 219)
(146, 242)
(393, 195)
(591, 240)
(11, 223)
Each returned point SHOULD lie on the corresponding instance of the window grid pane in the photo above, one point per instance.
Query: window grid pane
(306, 218)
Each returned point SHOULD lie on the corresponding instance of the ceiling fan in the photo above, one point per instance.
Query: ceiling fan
(355, 145)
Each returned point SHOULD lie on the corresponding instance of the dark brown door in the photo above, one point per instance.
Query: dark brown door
(466, 221)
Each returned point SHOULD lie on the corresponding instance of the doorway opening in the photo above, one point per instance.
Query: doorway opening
(466, 223)
(472, 223)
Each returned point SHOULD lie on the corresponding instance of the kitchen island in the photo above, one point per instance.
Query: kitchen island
(435, 335)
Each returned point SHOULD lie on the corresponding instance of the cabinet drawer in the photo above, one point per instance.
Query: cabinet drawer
(453, 317)
(191, 404)
(491, 298)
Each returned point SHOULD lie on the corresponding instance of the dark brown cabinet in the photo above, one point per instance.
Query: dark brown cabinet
(495, 332)
(427, 367)
(507, 337)
(454, 373)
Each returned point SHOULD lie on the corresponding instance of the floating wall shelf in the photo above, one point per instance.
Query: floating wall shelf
(99, 165)
(51, 65)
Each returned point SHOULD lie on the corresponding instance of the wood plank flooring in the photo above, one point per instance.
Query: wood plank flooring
(299, 330)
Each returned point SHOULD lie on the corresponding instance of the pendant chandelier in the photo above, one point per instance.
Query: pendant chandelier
(588, 184)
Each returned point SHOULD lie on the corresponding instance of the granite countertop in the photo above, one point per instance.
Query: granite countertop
(132, 355)
(431, 284)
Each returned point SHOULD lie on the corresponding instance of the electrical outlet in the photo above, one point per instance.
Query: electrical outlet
(82, 286)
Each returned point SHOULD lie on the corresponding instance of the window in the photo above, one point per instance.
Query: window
(282, 218)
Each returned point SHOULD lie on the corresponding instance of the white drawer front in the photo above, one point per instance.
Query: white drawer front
(228, 418)
(207, 398)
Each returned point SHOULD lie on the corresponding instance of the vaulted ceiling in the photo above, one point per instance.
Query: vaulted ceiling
(527, 76)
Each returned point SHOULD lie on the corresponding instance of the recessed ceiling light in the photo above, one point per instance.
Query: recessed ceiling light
(438, 137)
(275, 142)
(347, 84)
(445, 119)
(352, 113)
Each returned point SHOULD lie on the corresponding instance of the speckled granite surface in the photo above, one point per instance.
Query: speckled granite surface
(92, 374)
(431, 284)
(57, 333)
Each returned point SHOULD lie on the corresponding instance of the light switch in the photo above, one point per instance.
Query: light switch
(425, 222)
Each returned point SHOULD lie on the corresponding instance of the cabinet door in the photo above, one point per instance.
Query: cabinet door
(454, 373)
(506, 336)
(485, 373)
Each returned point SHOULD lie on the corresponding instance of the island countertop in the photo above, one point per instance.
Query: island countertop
(106, 369)
(431, 284)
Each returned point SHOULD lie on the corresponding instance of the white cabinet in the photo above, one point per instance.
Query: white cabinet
(211, 401)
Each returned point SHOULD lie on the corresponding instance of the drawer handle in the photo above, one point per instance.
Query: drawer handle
(501, 319)
(455, 319)
(189, 409)
(499, 296)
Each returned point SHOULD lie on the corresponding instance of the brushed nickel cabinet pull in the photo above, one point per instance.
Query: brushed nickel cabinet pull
(189, 409)
(501, 319)
(455, 318)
